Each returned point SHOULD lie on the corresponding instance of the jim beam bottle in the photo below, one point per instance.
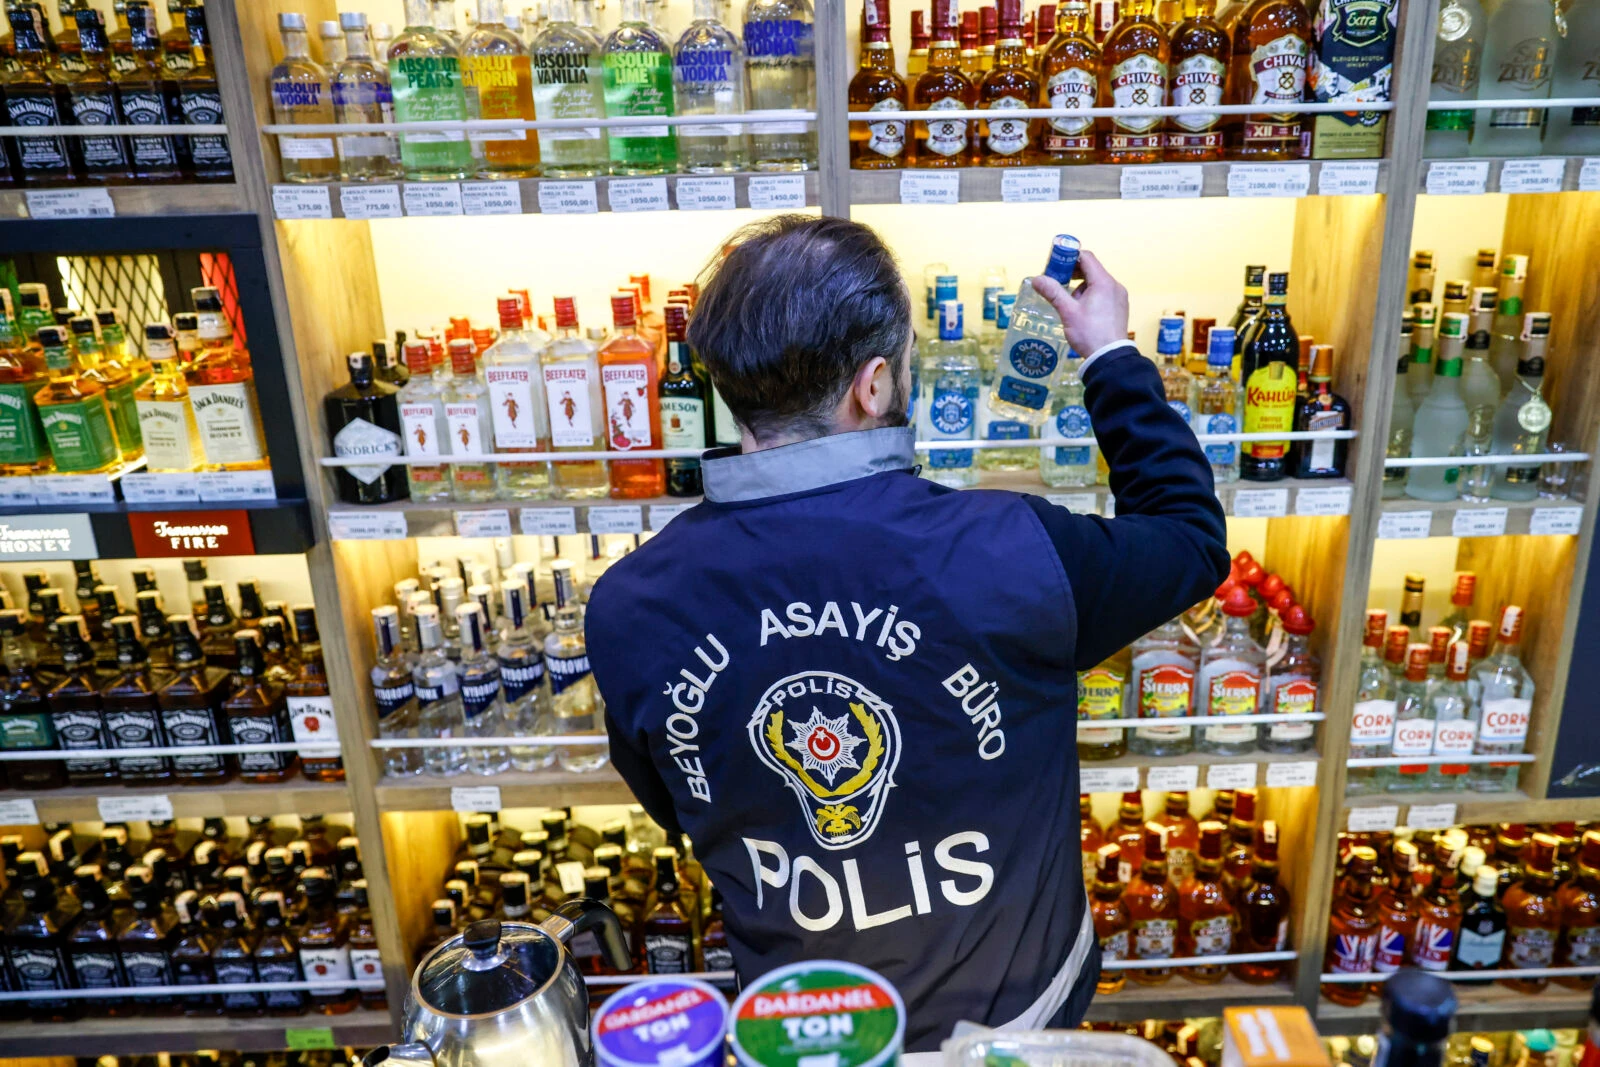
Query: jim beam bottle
(1271, 53)
(310, 706)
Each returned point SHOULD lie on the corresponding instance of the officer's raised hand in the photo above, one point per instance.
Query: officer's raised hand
(1093, 316)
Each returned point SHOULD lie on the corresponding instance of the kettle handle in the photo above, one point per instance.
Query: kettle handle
(408, 1055)
(583, 914)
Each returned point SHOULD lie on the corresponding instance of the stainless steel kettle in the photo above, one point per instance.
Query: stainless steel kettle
(505, 994)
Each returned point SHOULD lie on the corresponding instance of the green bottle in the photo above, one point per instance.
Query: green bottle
(73, 409)
(97, 366)
(33, 309)
(638, 68)
(23, 449)
(425, 78)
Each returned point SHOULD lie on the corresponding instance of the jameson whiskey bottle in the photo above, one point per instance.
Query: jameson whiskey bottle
(1069, 68)
(425, 79)
(683, 404)
(1271, 53)
(876, 87)
(1268, 373)
(200, 102)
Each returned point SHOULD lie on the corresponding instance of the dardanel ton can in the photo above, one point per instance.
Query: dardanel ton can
(821, 1008)
(676, 1021)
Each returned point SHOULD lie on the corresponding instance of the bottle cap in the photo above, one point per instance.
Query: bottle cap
(1210, 840)
(291, 20)
(417, 357)
(1417, 655)
(1321, 363)
(1177, 802)
(1466, 584)
(1438, 642)
(1297, 621)
(1377, 623)
(463, 356)
(1239, 604)
(1456, 660)
(624, 311)
(1395, 642)
(1063, 257)
(509, 308)
(1169, 336)
(566, 312)
(352, 20)
(1108, 859)
(1536, 324)
(1155, 841)
(1424, 316)
(1510, 624)
(1244, 806)
(1282, 601)
(1269, 586)
(1419, 1005)
(950, 320)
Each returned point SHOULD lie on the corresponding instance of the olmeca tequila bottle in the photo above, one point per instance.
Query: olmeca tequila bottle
(1035, 346)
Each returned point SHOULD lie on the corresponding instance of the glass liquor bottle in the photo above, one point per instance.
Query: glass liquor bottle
(421, 402)
(1035, 345)
(1577, 64)
(217, 626)
(1206, 916)
(176, 51)
(190, 954)
(948, 407)
(1069, 68)
(576, 707)
(569, 82)
(1439, 429)
(1110, 915)
(1011, 83)
(1102, 694)
(780, 58)
(571, 369)
(1533, 917)
(482, 711)
(331, 39)
(1217, 405)
(1068, 466)
(426, 86)
(438, 693)
(1455, 717)
(1293, 686)
(256, 715)
(518, 411)
(365, 963)
(25, 719)
(1262, 908)
(1152, 906)
(75, 707)
(1505, 331)
(1241, 821)
(300, 96)
(1457, 57)
(944, 87)
(323, 942)
(683, 403)
(1353, 928)
(167, 426)
(1322, 409)
(91, 943)
(363, 420)
(709, 79)
(132, 710)
(274, 954)
(309, 704)
(1182, 834)
(361, 94)
(468, 424)
(1505, 691)
(24, 449)
(667, 934)
(1198, 72)
(629, 380)
(222, 391)
(1162, 686)
(1523, 419)
(1175, 377)
(92, 100)
(1439, 915)
(35, 95)
(1579, 904)
(1133, 74)
(1231, 672)
(1271, 53)
(118, 382)
(1483, 926)
(200, 103)
(638, 81)
(495, 67)
(522, 679)
(1419, 376)
(1413, 726)
(145, 941)
(1267, 373)
(1397, 909)
(191, 706)
(74, 410)
(36, 941)
(1518, 63)
(394, 694)
(876, 87)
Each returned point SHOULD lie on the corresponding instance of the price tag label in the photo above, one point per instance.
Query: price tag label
(1261, 503)
(617, 519)
(1160, 183)
(1323, 500)
(1404, 525)
(1382, 817)
(1348, 179)
(432, 198)
(1532, 175)
(1589, 176)
(491, 198)
(370, 201)
(1478, 522)
(1108, 779)
(17, 492)
(777, 192)
(74, 489)
(568, 198)
(474, 798)
(1431, 816)
(142, 488)
(661, 514)
(18, 813)
(75, 204)
(496, 523)
(308, 1038)
(638, 194)
(1173, 778)
(300, 202)
(706, 194)
(1269, 179)
(219, 486)
(1077, 503)
(1287, 775)
(368, 526)
(548, 522)
(1032, 185)
(1457, 178)
(929, 187)
(1231, 776)
(1548, 521)
(135, 808)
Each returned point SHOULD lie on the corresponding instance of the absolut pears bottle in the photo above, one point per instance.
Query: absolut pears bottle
(425, 81)
(1035, 345)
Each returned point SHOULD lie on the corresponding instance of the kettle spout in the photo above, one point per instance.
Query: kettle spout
(577, 916)
(414, 1054)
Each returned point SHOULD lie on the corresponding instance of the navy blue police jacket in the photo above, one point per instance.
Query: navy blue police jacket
(855, 690)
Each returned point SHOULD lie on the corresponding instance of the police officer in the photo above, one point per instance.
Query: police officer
(854, 689)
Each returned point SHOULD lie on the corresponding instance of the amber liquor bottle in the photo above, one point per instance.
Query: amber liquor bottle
(1205, 914)
(1090, 837)
(275, 955)
(365, 963)
(1011, 84)
(1353, 928)
(1199, 71)
(92, 942)
(143, 98)
(1579, 901)
(1127, 833)
(232, 954)
(1133, 74)
(876, 87)
(256, 715)
(191, 706)
(324, 944)
(942, 87)
(1152, 906)
(35, 95)
(1182, 836)
(36, 941)
(145, 942)
(132, 708)
(1438, 917)
(1069, 73)
(1271, 51)
(1236, 862)
(1110, 915)
(200, 102)
(1263, 911)
(217, 626)
(309, 704)
(1533, 917)
(93, 101)
(715, 953)
(1397, 911)
(75, 706)
(191, 954)
(667, 934)
(25, 719)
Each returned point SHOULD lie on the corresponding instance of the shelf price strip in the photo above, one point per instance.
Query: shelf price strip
(1457, 177)
(1269, 179)
(1532, 175)
(370, 201)
(491, 198)
(1465, 976)
(1554, 521)
(1589, 176)
(1347, 178)
(70, 204)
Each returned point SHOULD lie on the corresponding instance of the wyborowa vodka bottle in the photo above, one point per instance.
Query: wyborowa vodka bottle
(1035, 345)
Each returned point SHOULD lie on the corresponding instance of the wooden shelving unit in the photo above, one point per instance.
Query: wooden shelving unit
(361, 1028)
(193, 802)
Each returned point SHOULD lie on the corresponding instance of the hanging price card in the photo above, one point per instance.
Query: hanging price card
(1108, 779)
(929, 187)
(1231, 776)
(568, 198)
(370, 201)
(491, 198)
(17, 492)
(661, 514)
(142, 488)
(129, 809)
(73, 489)
(1404, 525)
(474, 798)
(1478, 522)
(1284, 775)
(1458, 178)
(1181, 778)
(637, 194)
(1323, 500)
(1077, 503)
(1159, 183)
(1532, 175)
(548, 522)
(1381, 818)
(493, 523)
(1269, 179)
(18, 813)
(777, 192)
(367, 526)
(432, 198)
(1547, 521)
(308, 1038)
(1431, 816)
(706, 194)
(1348, 179)
(1031, 185)
(74, 204)
(1260, 503)
(224, 486)
(624, 519)
(1589, 176)
(301, 202)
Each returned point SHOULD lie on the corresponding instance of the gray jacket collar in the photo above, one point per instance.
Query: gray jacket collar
(732, 476)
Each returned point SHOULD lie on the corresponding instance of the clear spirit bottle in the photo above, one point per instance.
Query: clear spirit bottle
(1505, 694)
(522, 678)
(709, 79)
(638, 81)
(1372, 722)
(992, 428)
(394, 693)
(1457, 57)
(1455, 720)
(569, 83)
(422, 418)
(481, 710)
(1413, 725)
(1069, 466)
(1035, 345)
(1576, 130)
(495, 67)
(1293, 686)
(1518, 64)
(438, 692)
(166, 421)
(1402, 415)
(1480, 387)
(1523, 420)
(1230, 680)
(1217, 405)
(467, 421)
(361, 94)
(1439, 430)
(571, 366)
(516, 400)
(779, 45)
(1175, 377)
(949, 379)
(575, 701)
(331, 39)
(301, 96)
(425, 79)
(1505, 333)
(1162, 687)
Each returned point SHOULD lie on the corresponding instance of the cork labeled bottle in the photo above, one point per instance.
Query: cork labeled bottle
(1010, 84)
(1069, 72)
(1263, 911)
(1110, 916)
(1205, 914)
(1133, 74)
(1533, 917)
(1200, 54)
(876, 87)
(942, 87)
(1353, 928)
(1152, 906)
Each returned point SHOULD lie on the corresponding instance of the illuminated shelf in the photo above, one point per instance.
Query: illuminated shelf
(294, 797)
(177, 1033)
(518, 789)
(197, 198)
(1490, 1007)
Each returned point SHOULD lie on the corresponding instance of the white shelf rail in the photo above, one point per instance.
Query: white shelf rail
(113, 131)
(1490, 461)
(1513, 105)
(192, 990)
(1415, 761)
(489, 742)
(15, 755)
(1117, 112)
(1199, 961)
(755, 118)
(1227, 720)
(1467, 976)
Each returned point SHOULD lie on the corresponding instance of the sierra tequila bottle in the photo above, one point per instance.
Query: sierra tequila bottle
(638, 81)
(569, 84)
(425, 79)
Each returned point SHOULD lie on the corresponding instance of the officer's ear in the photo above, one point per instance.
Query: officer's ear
(872, 392)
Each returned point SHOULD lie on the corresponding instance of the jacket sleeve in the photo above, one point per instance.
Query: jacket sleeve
(1167, 548)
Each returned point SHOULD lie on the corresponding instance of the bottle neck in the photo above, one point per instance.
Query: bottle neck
(491, 13)
(419, 15)
(356, 45)
(296, 44)
(634, 11)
